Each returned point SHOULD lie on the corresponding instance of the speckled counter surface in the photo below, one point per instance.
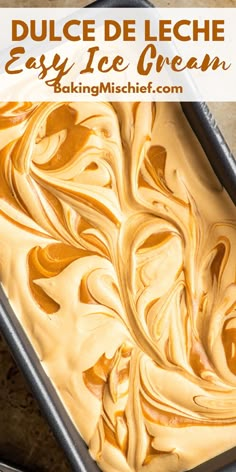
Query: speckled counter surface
(25, 437)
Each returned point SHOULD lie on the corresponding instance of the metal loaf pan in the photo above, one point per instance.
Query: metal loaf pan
(222, 161)
(4, 467)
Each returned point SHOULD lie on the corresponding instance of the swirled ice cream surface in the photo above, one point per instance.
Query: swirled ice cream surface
(118, 255)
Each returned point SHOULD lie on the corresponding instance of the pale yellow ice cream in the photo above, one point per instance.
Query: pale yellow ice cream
(118, 255)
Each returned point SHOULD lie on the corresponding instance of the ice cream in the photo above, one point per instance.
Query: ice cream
(117, 252)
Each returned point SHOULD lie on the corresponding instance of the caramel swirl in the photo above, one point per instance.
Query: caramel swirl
(117, 252)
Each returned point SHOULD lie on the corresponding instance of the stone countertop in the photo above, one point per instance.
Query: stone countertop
(25, 437)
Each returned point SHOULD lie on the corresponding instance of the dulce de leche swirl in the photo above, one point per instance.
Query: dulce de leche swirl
(118, 255)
